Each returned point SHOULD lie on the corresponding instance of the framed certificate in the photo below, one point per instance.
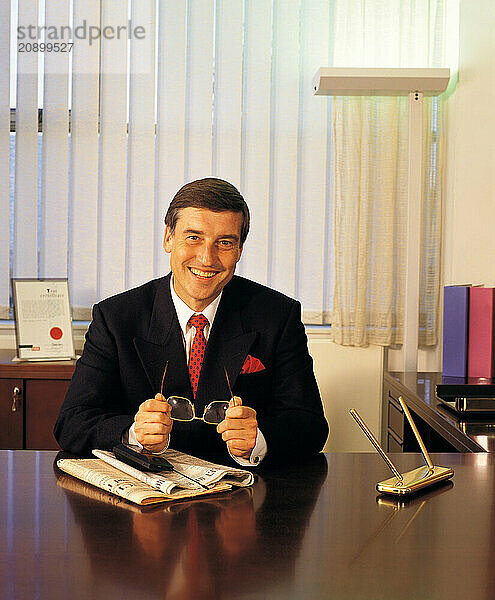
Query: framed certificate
(43, 323)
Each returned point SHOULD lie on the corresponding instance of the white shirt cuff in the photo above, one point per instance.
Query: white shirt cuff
(257, 455)
(131, 439)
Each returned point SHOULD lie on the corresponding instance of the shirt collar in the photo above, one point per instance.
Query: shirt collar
(184, 312)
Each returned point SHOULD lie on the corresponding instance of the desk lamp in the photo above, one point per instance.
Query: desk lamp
(412, 481)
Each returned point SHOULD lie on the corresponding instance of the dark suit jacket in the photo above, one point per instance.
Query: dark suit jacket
(135, 333)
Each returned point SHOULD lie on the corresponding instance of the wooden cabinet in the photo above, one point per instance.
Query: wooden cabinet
(43, 400)
(31, 395)
(11, 413)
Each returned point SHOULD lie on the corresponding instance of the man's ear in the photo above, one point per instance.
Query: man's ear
(167, 240)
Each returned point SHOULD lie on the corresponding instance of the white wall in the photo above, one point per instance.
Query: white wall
(348, 378)
(469, 240)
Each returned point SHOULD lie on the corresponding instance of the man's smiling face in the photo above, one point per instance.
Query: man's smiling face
(204, 250)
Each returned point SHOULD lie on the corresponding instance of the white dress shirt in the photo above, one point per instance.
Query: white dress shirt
(184, 313)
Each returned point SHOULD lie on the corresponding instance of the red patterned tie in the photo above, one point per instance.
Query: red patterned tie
(197, 350)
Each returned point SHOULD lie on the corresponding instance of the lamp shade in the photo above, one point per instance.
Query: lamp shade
(340, 81)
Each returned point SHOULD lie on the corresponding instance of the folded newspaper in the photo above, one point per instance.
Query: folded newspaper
(103, 498)
(111, 474)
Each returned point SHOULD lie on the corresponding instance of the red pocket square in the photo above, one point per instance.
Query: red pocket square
(252, 365)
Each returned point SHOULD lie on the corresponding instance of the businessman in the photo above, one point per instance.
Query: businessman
(217, 336)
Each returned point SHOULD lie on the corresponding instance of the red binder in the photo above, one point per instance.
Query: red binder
(481, 355)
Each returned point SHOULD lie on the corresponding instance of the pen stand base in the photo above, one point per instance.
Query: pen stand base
(415, 480)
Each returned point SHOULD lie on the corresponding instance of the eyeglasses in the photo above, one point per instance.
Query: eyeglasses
(183, 408)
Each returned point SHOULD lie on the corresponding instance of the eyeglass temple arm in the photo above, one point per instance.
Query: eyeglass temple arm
(228, 382)
(163, 378)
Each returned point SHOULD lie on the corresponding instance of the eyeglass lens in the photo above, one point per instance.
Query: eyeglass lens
(183, 410)
(215, 412)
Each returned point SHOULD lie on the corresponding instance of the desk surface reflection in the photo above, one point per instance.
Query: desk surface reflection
(314, 530)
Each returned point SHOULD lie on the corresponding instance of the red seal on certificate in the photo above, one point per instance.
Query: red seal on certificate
(56, 333)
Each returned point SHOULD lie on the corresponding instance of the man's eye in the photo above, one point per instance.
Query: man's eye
(192, 238)
(226, 244)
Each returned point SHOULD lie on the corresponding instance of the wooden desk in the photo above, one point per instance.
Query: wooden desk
(441, 429)
(31, 394)
(317, 532)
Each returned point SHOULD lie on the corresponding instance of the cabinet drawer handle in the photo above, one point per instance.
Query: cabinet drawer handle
(15, 398)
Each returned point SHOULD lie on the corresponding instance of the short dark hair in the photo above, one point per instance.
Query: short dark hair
(213, 194)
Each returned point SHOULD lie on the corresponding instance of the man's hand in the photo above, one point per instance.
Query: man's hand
(152, 423)
(239, 428)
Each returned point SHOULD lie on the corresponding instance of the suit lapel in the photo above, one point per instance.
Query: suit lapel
(228, 346)
(164, 343)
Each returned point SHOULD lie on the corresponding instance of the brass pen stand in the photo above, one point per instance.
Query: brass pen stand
(412, 481)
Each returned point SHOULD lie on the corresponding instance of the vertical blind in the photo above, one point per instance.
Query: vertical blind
(82, 248)
(213, 88)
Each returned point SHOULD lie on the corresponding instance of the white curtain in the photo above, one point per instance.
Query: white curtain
(371, 135)
(215, 87)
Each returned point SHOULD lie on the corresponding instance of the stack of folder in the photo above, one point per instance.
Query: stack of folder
(469, 331)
